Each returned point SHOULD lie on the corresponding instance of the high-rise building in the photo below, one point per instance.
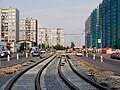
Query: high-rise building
(111, 23)
(100, 24)
(28, 29)
(105, 24)
(9, 24)
(118, 22)
(95, 32)
(60, 37)
(50, 36)
(87, 33)
(41, 36)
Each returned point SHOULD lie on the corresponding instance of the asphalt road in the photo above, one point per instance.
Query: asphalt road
(13, 60)
(107, 64)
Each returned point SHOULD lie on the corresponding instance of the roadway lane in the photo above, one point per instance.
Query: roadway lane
(107, 64)
(13, 60)
(13, 57)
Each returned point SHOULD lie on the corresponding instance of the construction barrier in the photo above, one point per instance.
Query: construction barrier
(101, 58)
(26, 55)
(86, 54)
(8, 58)
(93, 56)
(17, 56)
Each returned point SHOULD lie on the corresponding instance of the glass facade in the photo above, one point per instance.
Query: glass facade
(105, 24)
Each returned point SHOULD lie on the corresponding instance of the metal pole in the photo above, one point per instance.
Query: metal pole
(101, 39)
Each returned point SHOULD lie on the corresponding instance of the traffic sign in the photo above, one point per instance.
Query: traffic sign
(99, 40)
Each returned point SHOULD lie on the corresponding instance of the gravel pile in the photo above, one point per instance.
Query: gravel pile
(104, 76)
(10, 70)
(17, 67)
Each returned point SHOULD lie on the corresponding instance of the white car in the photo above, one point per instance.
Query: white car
(79, 54)
(36, 53)
(3, 54)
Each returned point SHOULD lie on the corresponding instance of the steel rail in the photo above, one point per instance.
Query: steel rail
(37, 79)
(72, 86)
(15, 78)
(88, 79)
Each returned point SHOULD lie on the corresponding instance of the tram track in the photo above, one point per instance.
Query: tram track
(88, 79)
(30, 78)
(90, 83)
(11, 83)
(72, 86)
(37, 79)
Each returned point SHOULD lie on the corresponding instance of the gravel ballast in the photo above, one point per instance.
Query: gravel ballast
(106, 77)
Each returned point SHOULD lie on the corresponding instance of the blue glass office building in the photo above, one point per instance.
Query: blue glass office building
(110, 23)
(95, 32)
(105, 24)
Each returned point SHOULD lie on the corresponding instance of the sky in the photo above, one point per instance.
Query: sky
(67, 14)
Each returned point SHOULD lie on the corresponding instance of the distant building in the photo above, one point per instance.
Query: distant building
(95, 32)
(60, 37)
(41, 37)
(9, 24)
(50, 36)
(88, 39)
(28, 29)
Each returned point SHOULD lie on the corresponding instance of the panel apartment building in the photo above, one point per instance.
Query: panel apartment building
(50, 36)
(28, 29)
(9, 24)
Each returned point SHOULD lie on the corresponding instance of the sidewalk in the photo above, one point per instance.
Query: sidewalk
(107, 56)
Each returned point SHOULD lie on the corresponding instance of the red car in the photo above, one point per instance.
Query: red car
(115, 55)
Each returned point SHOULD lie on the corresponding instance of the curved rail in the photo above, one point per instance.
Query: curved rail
(37, 79)
(72, 86)
(15, 78)
(89, 80)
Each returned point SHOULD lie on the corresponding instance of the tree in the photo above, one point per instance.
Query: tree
(83, 46)
(41, 46)
(58, 47)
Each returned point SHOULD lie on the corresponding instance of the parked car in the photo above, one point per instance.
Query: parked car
(79, 54)
(115, 55)
(36, 53)
(119, 56)
(3, 54)
(42, 51)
